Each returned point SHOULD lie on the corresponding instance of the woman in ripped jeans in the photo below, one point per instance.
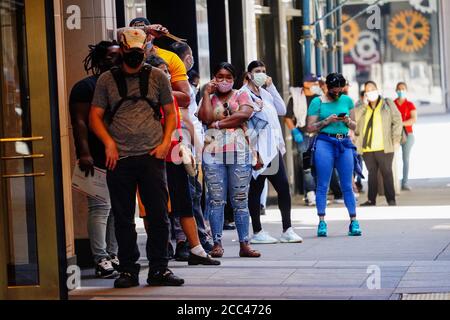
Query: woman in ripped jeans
(226, 158)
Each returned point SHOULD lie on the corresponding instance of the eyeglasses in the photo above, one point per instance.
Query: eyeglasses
(227, 110)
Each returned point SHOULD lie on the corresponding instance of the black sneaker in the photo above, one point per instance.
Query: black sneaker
(105, 269)
(368, 204)
(164, 278)
(114, 261)
(182, 252)
(127, 280)
(195, 260)
(392, 203)
(229, 226)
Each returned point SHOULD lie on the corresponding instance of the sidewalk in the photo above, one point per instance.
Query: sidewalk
(409, 245)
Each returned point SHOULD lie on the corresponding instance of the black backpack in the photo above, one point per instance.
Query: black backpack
(121, 82)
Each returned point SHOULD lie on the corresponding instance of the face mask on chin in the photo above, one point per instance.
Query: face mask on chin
(133, 59)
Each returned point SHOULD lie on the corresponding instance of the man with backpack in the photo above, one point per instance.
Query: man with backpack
(128, 98)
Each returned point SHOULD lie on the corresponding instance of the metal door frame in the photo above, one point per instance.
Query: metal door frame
(47, 221)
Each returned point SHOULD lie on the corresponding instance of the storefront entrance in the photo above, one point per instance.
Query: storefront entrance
(29, 197)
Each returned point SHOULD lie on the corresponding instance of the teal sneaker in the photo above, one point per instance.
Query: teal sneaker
(354, 229)
(322, 231)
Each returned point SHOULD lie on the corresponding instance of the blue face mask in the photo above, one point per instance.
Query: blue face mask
(401, 94)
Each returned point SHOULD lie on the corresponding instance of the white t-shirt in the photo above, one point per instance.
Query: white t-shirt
(193, 109)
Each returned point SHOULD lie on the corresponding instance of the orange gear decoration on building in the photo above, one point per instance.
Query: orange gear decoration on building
(409, 31)
(350, 33)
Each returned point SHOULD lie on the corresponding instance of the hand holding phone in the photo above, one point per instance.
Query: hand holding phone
(342, 115)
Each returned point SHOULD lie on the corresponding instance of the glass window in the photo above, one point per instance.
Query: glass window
(405, 47)
(18, 193)
(135, 9)
(203, 41)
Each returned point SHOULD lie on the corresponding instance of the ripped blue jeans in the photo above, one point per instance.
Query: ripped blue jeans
(223, 178)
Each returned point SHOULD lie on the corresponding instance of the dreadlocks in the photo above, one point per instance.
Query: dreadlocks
(97, 53)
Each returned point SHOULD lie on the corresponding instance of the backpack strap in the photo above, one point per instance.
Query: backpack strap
(144, 78)
(121, 83)
(119, 77)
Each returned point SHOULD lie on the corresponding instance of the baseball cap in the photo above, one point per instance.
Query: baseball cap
(139, 22)
(310, 78)
(133, 38)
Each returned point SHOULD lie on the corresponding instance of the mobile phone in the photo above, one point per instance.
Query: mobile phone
(342, 115)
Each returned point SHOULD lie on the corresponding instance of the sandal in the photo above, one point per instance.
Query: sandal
(247, 252)
(217, 251)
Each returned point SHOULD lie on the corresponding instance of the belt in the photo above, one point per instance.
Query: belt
(338, 136)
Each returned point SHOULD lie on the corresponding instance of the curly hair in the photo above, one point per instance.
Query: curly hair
(97, 53)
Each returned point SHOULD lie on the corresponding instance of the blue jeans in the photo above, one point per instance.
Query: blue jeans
(196, 193)
(406, 151)
(233, 178)
(326, 158)
(101, 230)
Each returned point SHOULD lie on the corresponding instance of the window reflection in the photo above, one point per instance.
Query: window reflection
(18, 193)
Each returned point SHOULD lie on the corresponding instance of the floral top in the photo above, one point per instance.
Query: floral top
(228, 142)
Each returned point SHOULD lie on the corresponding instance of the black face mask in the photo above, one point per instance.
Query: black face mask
(335, 96)
(133, 59)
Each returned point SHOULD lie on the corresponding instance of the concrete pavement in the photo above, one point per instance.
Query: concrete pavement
(403, 250)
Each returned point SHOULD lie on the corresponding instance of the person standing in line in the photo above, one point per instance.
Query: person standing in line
(379, 133)
(226, 156)
(271, 148)
(91, 153)
(126, 119)
(332, 116)
(409, 116)
(297, 110)
(182, 93)
(194, 81)
(179, 188)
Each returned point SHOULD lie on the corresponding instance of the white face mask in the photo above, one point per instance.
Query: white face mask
(373, 96)
(260, 79)
(189, 63)
(316, 90)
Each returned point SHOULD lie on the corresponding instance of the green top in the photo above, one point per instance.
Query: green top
(343, 105)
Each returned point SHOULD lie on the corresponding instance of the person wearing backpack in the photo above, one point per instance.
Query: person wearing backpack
(379, 133)
(332, 116)
(126, 118)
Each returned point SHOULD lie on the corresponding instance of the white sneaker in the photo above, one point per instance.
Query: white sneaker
(290, 237)
(263, 237)
(339, 201)
(311, 198)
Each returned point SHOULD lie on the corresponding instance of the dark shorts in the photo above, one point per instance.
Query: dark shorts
(179, 191)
